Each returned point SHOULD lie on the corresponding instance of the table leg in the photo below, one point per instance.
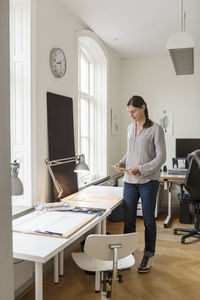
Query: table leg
(61, 261)
(103, 226)
(38, 281)
(103, 231)
(168, 219)
(56, 278)
(98, 228)
(97, 274)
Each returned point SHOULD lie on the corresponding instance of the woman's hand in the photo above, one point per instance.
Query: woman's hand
(119, 167)
(133, 171)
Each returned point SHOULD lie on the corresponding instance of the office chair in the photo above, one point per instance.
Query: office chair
(192, 186)
(107, 254)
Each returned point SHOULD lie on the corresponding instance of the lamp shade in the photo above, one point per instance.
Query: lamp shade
(16, 184)
(81, 166)
(181, 50)
(180, 40)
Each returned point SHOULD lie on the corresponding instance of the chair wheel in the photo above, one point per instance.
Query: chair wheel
(108, 294)
(175, 231)
(182, 241)
(120, 278)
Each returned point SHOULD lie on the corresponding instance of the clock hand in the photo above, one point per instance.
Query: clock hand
(59, 63)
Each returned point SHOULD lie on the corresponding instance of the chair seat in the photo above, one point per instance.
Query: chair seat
(88, 263)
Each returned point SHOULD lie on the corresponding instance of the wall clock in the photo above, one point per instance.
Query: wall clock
(57, 62)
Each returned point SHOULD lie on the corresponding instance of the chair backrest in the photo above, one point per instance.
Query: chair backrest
(192, 180)
(98, 245)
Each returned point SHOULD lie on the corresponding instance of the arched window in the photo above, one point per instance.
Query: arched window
(92, 104)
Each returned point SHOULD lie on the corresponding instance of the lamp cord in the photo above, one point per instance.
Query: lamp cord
(183, 14)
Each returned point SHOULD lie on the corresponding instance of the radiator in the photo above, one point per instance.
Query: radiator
(23, 272)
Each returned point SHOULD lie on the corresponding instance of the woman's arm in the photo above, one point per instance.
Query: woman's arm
(158, 161)
(123, 160)
(121, 164)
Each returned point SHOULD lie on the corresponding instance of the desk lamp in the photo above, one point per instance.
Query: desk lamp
(16, 184)
(81, 167)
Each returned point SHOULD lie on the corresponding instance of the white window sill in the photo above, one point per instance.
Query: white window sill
(18, 211)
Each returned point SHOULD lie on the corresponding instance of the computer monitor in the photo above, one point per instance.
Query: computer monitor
(186, 146)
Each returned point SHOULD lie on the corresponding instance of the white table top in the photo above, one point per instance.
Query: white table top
(42, 248)
(100, 200)
(36, 248)
(107, 190)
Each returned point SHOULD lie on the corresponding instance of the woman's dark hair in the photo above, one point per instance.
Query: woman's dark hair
(138, 101)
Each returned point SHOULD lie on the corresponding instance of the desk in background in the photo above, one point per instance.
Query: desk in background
(170, 179)
(40, 249)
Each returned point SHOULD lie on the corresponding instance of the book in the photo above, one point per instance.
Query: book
(81, 209)
(89, 210)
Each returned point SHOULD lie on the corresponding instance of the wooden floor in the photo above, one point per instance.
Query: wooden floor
(175, 272)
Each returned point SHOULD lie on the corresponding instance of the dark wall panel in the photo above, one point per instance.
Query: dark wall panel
(61, 141)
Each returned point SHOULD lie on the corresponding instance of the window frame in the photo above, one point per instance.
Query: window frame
(20, 97)
(95, 108)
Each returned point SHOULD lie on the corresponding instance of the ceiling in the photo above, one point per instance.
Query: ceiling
(138, 28)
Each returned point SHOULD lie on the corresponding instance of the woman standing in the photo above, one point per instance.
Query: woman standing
(146, 153)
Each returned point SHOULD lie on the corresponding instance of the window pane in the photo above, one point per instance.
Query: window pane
(84, 118)
(92, 110)
(84, 74)
(85, 148)
(20, 102)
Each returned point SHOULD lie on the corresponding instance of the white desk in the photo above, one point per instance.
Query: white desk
(40, 249)
(170, 179)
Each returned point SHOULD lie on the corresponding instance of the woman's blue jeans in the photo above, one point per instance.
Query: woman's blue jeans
(147, 192)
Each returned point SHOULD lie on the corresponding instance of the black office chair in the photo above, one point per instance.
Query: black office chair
(192, 187)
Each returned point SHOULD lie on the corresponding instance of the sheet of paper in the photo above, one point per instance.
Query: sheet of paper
(91, 197)
(60, 223)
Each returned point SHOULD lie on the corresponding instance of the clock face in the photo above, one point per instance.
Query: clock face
(57, 62)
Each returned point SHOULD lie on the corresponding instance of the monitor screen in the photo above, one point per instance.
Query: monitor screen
(186, 146)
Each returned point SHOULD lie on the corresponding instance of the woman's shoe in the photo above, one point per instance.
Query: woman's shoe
(145, 265)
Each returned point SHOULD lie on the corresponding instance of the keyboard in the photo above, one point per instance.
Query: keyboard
(177, 171)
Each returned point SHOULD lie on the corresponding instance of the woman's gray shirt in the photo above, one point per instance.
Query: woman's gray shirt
(146, 151)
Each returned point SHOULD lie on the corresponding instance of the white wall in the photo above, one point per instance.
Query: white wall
(114, 91)
(53, 25)
(155, 80)
(6, 262)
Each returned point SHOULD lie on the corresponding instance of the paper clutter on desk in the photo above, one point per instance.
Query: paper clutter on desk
(58, 206)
